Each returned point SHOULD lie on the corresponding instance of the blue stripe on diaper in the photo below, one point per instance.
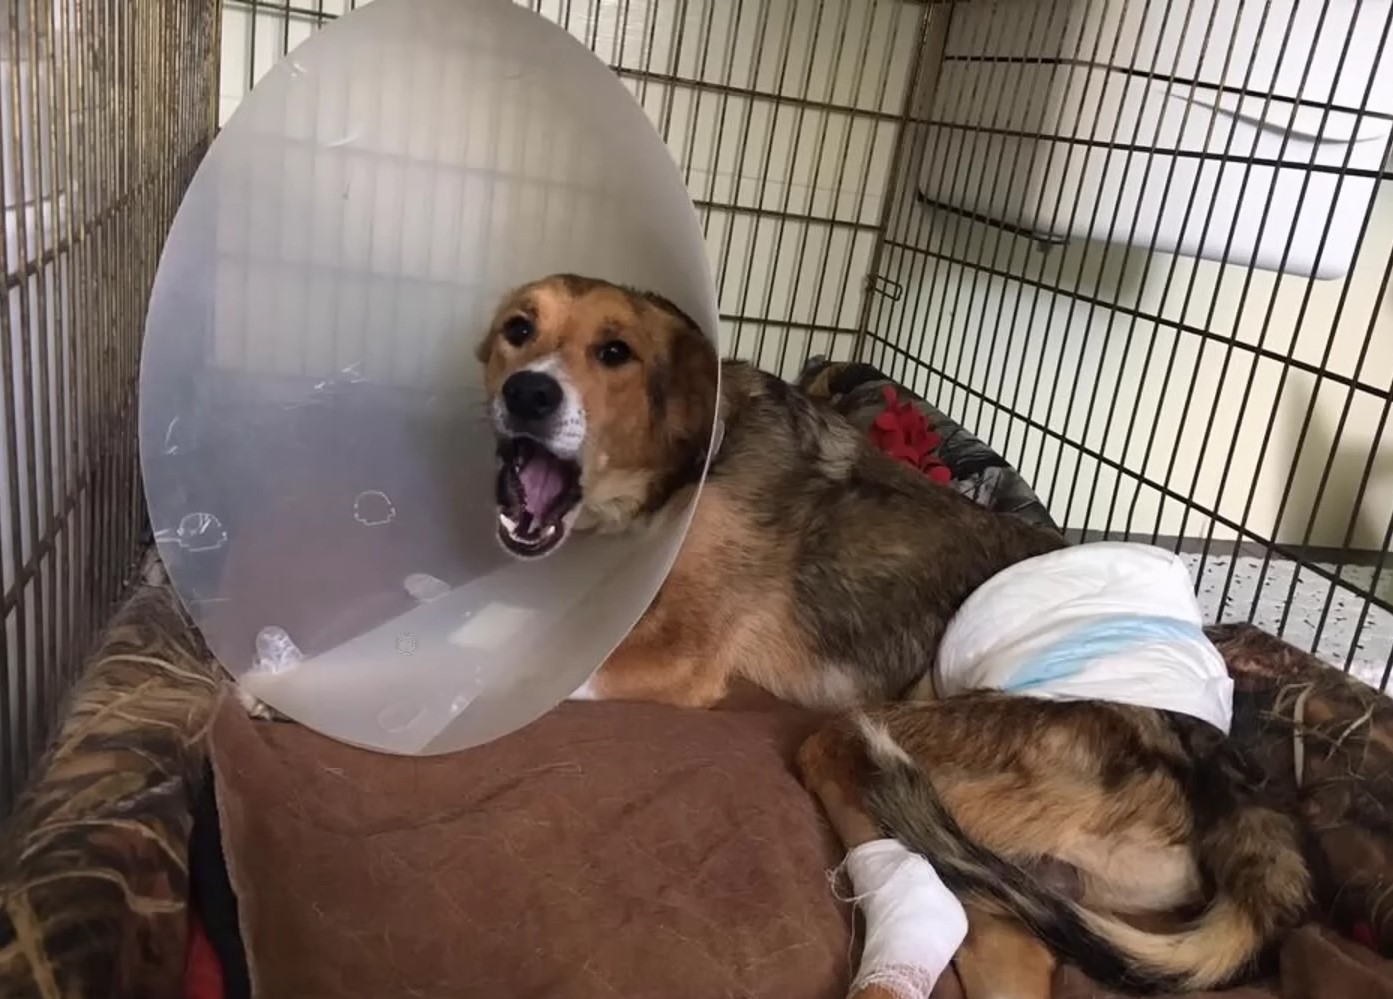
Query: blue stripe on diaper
(1071, 654)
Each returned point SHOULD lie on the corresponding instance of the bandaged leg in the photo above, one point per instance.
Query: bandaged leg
(914, 924)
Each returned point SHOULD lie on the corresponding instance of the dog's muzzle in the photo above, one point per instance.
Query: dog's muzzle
(538, 490)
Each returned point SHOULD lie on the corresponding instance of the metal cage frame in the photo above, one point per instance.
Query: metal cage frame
(809, 134)
(106, 109)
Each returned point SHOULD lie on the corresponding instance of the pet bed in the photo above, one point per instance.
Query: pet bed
(607, 850)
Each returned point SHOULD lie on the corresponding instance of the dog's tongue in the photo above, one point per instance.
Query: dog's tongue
(543, 480)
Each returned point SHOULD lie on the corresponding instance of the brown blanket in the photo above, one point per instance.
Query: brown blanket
(93, 874)
(607, 850)
(635, 850)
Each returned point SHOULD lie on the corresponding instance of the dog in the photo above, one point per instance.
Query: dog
(825, 572)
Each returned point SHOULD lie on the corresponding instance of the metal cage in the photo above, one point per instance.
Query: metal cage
(106, 107)
(1142, 247)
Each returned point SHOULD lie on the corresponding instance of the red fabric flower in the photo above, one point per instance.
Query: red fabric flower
(903, 432)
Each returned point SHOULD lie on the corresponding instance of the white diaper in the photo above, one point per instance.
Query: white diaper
(1110, 621)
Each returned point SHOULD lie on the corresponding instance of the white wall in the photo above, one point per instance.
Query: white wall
(1126, 352)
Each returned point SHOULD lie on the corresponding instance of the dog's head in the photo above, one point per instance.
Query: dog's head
(602, 400)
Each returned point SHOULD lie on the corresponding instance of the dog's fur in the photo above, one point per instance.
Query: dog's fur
(825, 572)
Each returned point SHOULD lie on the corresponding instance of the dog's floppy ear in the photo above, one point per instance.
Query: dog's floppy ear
(690, 389)
(484, 350)
(506, 304)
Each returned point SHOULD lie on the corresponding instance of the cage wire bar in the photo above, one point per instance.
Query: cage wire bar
(106, 108)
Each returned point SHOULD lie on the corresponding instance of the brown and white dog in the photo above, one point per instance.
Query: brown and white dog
(825, 572)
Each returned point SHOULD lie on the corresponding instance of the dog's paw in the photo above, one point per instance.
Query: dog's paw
(256, 708)
(152, 571)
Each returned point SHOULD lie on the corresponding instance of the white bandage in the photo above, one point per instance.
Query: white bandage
(914, 924)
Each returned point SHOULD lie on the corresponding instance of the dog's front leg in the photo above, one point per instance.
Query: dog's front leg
(664, 665)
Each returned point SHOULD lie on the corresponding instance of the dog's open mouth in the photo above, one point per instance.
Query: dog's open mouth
(537, 492)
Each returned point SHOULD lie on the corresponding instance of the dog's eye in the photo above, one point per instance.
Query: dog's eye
(613, 353)
(518, 330)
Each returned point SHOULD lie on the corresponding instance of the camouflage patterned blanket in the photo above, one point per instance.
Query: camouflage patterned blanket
(93, 861)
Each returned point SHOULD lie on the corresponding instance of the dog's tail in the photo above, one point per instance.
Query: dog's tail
(1253, 855)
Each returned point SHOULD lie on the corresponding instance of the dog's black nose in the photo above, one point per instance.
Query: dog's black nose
(531, 395)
